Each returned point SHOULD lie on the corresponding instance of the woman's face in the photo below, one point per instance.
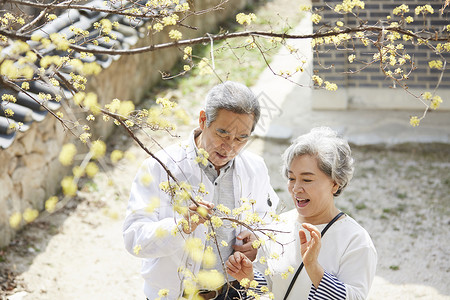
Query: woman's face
(311, 190)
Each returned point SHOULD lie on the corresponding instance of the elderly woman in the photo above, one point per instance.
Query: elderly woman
(337, 265)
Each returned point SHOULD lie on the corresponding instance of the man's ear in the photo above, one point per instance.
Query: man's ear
(202, 120)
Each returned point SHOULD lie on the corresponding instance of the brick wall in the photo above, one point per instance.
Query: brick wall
(332, 64)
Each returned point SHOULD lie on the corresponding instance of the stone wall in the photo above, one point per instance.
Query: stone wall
(29, 169)
(369, 87)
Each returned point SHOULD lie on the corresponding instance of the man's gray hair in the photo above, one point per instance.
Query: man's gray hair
(234, 97)
(332, 152)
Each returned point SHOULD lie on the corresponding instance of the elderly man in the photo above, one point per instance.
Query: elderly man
(228, 177)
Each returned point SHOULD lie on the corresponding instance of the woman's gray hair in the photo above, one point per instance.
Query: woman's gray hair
(332, 152)
(234, 97)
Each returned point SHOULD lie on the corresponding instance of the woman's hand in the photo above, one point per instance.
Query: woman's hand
(310, 249)
(239, 266)
(310, 252)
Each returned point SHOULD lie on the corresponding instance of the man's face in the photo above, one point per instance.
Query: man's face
(225, 136)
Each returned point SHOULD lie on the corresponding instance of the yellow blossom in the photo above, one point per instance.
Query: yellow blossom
(67, 154)
(223, 243)
(158, 27)
(209, 258)
(351, 58)
(244, 19)
(223, 209)
(305, 7)
(50, 204)
(186, 67)
(161, 232)
(401, 9)
(315, 18)
(427, 95)
(15, 219)
(116, 155)
(175, 34)
(51, 17)
(137, 249)
(330, 86)
(317, 80)
(409, 19)
(163, 292)
(9, 98)
(210, 279)
(414, 121)
(98, 149)
(202, 188)
(194, 248)
(435, 102)
(84, 137)
(216, 221)
(68, 186)
(78, 171)
(152, 205)
(436, 64)
(91, 169)
(30, 215)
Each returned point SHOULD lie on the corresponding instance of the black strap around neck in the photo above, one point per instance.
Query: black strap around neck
(291, 285)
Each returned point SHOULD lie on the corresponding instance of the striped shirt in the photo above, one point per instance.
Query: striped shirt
(330, 288)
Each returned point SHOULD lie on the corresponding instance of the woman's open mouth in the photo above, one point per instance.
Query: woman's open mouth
(301, 202)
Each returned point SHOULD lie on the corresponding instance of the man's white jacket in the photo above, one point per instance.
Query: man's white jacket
(163, 254)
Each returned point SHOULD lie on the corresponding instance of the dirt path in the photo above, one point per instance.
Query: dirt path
(400, 197)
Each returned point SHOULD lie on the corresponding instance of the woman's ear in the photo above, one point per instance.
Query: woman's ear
(202, 120)
(335, 188)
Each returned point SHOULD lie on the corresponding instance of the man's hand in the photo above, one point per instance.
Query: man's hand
(247, 249)
(239, 266)
(197, 215)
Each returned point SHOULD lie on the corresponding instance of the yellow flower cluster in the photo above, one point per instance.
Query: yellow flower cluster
(202, 157)
(67, 154)
(223, 209)
(216, 221)
(210, 279)
(9, 98)
(305, 7)
(98, 149)
(137, 249)
(244, 19)
(51, 17)
(69, 186)
(427, 8)
(315, 18)
(9, 19)
(436, 102)
(435, 64)
(60, 41)
(194, 248)
(204, 67)
(175, 34)
(400, 10)
(414, 121)
(29, 215)
(15, 219)
(209, 258)
(443, 47)
(116, 155)
(152, 205)
(10, 70)
(91, 169)
(347, 6)
(331, 86)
